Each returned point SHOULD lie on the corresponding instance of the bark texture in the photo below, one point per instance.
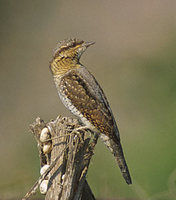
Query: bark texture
(69, 158)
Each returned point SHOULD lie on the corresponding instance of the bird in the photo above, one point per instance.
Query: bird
(80, 92)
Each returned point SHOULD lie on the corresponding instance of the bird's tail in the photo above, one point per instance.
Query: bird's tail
(116, 149)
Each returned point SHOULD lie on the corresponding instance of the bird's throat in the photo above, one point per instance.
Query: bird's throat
(60, 66)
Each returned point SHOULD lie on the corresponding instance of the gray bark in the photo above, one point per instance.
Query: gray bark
(72, 149)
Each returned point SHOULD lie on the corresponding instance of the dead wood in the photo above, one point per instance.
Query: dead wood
(72, 146)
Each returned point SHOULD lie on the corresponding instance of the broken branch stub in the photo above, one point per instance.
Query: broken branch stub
(70, 148)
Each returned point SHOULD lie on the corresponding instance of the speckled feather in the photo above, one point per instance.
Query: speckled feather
(95, 111)
(83, 96)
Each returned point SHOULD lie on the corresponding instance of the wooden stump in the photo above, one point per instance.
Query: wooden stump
(70, 148)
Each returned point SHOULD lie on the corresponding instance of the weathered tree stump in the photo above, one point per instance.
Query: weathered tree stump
(66, 151)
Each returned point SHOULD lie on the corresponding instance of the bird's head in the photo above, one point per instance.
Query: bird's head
(71, 48)
(67, 54)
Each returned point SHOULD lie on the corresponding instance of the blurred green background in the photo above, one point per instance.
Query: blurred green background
(134, 60)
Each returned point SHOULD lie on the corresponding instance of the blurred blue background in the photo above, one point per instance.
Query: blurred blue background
(134, 60)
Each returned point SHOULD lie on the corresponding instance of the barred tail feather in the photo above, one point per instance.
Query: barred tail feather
(116, 150)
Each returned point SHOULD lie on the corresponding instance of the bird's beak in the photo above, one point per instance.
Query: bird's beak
(87, 44)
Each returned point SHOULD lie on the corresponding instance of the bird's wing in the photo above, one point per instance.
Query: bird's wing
(97, 91)
(87, 96)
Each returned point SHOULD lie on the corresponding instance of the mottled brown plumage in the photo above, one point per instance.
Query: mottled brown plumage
(83, 96)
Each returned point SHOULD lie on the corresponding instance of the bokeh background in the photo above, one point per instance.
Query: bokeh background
(134, 60)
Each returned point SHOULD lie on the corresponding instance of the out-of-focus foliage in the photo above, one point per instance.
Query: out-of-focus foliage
(133, 60)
